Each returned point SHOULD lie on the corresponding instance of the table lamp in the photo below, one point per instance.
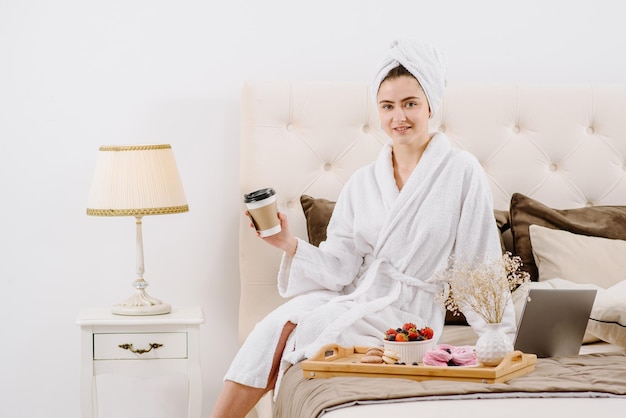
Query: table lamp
(137, 180)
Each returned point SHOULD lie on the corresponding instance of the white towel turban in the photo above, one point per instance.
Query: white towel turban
(424, 61)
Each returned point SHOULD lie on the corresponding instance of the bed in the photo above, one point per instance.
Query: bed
(555, 156)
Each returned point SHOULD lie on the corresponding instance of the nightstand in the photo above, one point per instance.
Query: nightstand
(139, 346)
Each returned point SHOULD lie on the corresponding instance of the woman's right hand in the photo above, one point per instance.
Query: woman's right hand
(282, 240)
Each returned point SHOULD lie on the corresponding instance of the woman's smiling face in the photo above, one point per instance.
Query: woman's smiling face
(404, 111)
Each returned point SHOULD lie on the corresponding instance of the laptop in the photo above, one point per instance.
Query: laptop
(553, 321)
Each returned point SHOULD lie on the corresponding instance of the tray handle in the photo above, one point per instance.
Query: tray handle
(511, 360)
(329, 352)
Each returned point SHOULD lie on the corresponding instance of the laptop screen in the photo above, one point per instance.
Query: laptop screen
(553, 321)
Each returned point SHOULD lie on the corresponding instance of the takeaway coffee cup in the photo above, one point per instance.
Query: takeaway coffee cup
(263, 211)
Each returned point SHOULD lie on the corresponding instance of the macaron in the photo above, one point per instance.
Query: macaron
(391, 357)
(375, 351)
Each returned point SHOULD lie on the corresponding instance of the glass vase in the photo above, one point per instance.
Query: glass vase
(493, 345)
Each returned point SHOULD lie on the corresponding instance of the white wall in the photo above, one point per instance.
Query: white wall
(77, 74)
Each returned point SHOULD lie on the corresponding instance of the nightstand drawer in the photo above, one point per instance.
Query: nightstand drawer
(157, 345)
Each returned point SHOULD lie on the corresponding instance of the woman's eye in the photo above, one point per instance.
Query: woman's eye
(386, 107)
(411, 104)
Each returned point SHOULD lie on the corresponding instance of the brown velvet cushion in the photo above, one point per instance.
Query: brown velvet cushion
(503, 222)
(502, 219)
(596, 221)
(318, 211)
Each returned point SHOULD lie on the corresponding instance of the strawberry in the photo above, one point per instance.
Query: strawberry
(401, 337)
(390, 334)
(408, 326)
(413, 336)
(427, 333)
(390, 331)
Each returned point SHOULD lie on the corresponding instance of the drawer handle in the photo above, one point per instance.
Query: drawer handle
(140, 350)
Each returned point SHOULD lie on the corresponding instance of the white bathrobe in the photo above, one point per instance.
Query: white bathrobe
(374, 271)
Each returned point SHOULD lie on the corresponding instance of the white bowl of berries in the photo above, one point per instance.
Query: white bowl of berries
(410, 342)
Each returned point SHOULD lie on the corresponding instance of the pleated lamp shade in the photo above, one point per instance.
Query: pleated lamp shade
(136, 180)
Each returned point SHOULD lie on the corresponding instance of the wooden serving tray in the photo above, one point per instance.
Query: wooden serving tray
(334, 360)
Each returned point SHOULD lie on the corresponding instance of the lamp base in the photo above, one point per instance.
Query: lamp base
(141, 304)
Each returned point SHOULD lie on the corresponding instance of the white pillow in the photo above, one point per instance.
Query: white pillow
(578, 258)
(608, 317)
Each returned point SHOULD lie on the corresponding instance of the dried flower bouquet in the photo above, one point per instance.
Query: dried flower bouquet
(484, 288)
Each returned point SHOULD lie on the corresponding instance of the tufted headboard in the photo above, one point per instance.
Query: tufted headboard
(564, 145)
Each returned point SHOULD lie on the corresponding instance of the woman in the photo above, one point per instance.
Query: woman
(397, 221)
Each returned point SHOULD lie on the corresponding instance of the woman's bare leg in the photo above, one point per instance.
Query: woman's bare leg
(237, 400)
